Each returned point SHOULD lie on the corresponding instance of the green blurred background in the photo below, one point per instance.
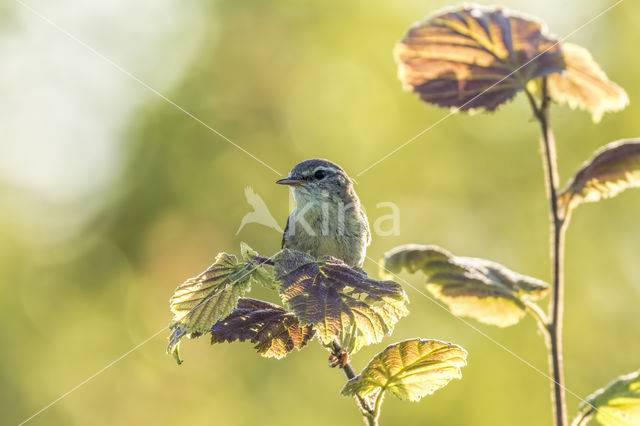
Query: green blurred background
(110, 196)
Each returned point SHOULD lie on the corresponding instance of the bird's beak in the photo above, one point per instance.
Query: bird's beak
(291, 181)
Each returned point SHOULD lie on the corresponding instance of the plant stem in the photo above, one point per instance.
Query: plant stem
(540, 316)
(369, 416)
(377, 404)
(262, 260)
(557, 230)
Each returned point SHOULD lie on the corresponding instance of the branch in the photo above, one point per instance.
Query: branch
(262, 260)
(557, 229)
(539, 315)
(369, 415)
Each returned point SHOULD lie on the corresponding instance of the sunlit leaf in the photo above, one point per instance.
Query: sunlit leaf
(262, 273)
(475, 56)
(410, 370)
(617, 404)
(612, 169)
(201, 301)
(275, 331)
(471, 287)
(247, 252)
(340, 302)
(584, 85)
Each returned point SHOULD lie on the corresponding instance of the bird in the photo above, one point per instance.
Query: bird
(260, 213)
(328, 219)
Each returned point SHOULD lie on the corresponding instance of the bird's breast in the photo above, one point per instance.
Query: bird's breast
(323, 231)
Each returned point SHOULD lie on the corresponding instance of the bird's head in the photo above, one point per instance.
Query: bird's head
(319, 180)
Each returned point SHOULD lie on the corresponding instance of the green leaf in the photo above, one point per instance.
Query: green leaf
(475, 56)
(471, 287)
(584, 85)
(612, 169)
(340, 302)
(247, 252)
(201, 301)
(262, 273)
(410, 370)
(617, 404)
(275, 331)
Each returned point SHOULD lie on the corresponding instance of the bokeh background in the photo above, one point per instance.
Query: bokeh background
(110, 196)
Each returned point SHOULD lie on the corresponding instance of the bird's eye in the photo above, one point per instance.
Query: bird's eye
(319, 174)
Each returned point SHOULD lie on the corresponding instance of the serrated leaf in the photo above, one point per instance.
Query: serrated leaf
(617, 404)
(247, 252)
(612, 169)
(410, 370)
(475, 56)
(262, 274)
(275, 331)
(265, 276)
(584, 85)
(202, 300)
(471, 287)
(340, 302)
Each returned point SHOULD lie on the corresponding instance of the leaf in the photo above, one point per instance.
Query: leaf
(471, 287)
(340, 302)
(409, 370)
(275, 331)
(617, 404)
(201, 301)
(584, 85)
(262, 273)
(475, 56)
(612, 169)
(247, 252)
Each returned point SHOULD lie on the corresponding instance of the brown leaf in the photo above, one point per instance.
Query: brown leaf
(584, 85)
(340, 302)
(275, 331)
(612, 169)
(475, 56)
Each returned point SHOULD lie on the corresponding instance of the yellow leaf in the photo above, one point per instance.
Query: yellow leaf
(471, 287)
(584, 85)
(409, 370)
(617, 404)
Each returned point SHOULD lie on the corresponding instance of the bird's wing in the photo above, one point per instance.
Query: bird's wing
(286, 228)
(255, 200)
(366, 227)
(251, 196)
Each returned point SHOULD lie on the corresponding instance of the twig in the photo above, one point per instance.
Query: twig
(540, 317)
(557, 230)
(262, 260)
(369, 416)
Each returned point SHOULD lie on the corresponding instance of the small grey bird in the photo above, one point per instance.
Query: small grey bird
(328, 218)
